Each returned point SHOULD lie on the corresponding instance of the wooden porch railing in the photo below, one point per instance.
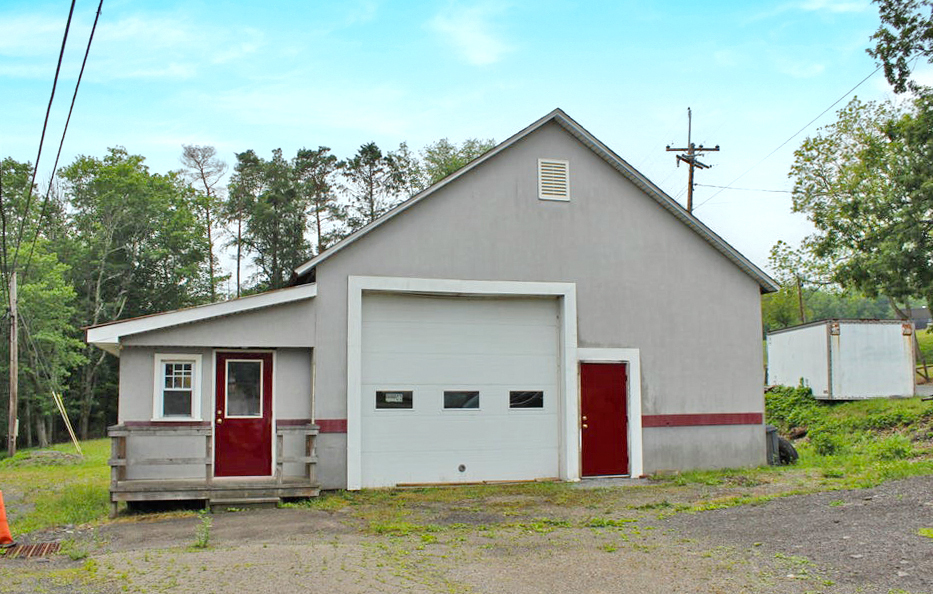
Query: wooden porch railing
(119, 462)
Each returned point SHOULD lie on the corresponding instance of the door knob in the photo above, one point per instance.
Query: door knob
(584, 417)
(585, 425)
(220, 421)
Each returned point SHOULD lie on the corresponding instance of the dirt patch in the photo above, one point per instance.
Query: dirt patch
(612, 539)
(45, 458)
(867, 538)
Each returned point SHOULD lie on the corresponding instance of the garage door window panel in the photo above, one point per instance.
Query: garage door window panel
(394, 400)
(526, 399)
(461, 400)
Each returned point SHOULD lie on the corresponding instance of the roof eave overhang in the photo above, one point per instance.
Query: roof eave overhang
(109, 336)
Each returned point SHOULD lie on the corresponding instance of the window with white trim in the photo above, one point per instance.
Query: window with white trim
(177, 390)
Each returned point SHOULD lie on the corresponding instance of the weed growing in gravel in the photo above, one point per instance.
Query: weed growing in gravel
(74, 550)
(607, 522)
(928, 532)
(202, 532)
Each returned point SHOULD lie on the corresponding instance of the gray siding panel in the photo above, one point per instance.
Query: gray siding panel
(286, 325)
(293, 397)
(644, 280)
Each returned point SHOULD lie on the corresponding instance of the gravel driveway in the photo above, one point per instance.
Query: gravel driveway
(863, 541)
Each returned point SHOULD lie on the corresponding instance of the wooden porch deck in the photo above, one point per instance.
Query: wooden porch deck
(213, 490)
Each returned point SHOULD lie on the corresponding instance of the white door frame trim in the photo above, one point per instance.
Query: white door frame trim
(569, 437)
(632, 358)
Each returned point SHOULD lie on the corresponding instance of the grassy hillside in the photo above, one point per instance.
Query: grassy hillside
(869, 440)
(54, 487)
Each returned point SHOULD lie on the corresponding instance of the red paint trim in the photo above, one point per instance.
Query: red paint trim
(292, 422)
(701, 419)
(166, 423)
(332, 425)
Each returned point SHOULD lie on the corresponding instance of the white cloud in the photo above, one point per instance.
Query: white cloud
(836, 5)
(30, 35)
(831, 6)
(361, 11)
(800, 69)
(471, 32)
(138, 45)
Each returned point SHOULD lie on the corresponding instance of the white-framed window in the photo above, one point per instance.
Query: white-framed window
(177, 389)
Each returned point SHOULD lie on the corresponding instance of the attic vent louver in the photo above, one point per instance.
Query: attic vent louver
(553, 179)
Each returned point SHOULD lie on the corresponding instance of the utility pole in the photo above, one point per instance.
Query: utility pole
(691, 159)
(13, 426)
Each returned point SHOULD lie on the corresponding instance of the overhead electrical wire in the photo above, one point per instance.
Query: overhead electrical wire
(45, 124)
(745, 189)
(793, 136)
(74, 96)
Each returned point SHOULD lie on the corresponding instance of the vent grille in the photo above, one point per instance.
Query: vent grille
(553, 179)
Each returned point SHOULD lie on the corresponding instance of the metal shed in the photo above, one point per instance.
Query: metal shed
(845, 359)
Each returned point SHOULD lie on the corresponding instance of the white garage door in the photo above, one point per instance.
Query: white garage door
(458, 389)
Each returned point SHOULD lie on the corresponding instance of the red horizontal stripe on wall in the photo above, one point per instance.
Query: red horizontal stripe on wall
(701, 419)
(332, 425)
(292, 422)
(166, 423)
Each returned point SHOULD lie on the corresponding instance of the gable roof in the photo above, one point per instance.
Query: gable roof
(107, 336)
(558, 116)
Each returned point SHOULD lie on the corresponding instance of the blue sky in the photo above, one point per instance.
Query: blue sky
(262, 75)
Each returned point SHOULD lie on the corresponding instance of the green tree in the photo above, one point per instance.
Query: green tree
(374, 182)
(203, 171)
(272, 210)
(848, 181)
(443, 157)
(139, 249)
(315, 172)
(247, 184)
(49, 350)
(905, 34)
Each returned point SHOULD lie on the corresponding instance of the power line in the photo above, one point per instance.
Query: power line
(746, 189)
(794, 135)
(45, 124)
(58, 155)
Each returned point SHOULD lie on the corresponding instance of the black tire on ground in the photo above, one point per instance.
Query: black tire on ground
(787, 454)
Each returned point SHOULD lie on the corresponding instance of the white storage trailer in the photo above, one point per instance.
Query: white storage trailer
(845, 359)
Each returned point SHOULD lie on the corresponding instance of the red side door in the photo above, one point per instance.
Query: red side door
(243, 414)
(604, 420)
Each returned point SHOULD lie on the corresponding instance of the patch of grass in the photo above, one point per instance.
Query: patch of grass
(928, 532)
(607, 522)
(74, 550)
(543, 525)
(69, 491)
(402, 528)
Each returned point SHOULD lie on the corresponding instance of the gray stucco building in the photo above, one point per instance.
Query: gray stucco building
(511, 322)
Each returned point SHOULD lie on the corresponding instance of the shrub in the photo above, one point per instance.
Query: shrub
(826, 443)
(788, 408)
(894, 447)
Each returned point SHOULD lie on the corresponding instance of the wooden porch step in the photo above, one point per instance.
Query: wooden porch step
(243, 502)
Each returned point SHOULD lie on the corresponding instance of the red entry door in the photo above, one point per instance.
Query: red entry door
(243, 414)
(604, 420)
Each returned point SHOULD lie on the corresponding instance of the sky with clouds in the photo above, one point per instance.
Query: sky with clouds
(292, 74)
